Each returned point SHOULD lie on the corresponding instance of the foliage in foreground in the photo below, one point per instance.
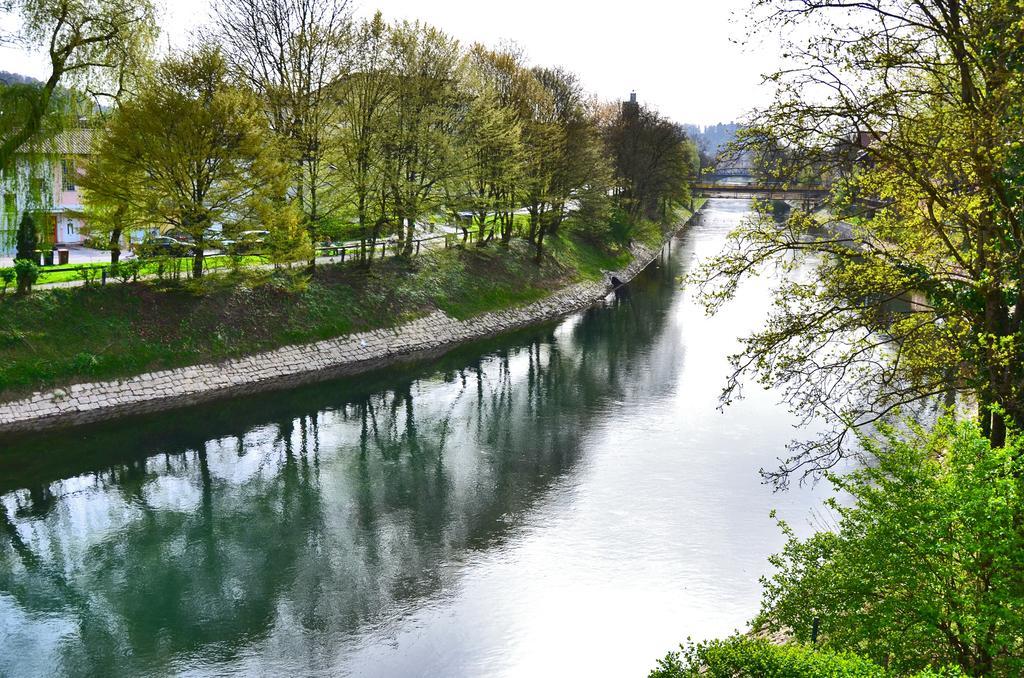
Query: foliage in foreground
(743, 657)
(913, 109)
(927, 564)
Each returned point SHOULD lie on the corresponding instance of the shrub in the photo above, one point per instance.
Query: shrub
(126, 271)
(27, 273)
(7, 276)
(25, 267)
(927, 563)
(28, 238)
(90, 274)
(620, 227)
(744, 657)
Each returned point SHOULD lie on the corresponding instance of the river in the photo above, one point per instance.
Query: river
(563, 501)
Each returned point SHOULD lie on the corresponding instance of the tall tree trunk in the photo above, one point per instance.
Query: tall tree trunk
(197, 260)
(999, 390)
(115, 246)
(362, 227)
(557, 211)
(507, 226)
(410, 235)
(311, 231)
(998, 435)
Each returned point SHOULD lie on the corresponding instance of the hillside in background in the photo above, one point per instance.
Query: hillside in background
(9, 78)
(711, 139)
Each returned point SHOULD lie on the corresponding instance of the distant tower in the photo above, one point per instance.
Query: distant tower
(631, 108)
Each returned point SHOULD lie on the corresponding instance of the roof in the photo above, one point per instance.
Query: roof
(73, 142)
(77, 141)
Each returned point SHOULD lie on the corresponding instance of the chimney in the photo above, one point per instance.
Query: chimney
(632, 97)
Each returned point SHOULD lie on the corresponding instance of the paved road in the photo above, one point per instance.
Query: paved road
(77, 254)
(427, 245)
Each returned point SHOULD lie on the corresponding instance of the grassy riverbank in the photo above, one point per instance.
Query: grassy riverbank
(63, 336)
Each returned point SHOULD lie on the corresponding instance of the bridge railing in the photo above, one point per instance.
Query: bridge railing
(760, 187)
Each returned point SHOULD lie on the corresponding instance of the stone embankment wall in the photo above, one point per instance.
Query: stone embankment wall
(293, 365)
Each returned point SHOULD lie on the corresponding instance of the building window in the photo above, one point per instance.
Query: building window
(71, 228)
(67, 175)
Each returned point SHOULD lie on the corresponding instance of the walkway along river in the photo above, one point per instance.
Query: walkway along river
(564, 501)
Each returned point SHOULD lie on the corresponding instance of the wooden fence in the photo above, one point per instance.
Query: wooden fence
(175, 265)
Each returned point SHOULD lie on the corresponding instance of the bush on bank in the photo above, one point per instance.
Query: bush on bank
(925, 567)
(927, 564)
(743, 657)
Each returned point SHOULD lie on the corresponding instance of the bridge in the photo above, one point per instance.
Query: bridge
(768, 191)
(727, 172)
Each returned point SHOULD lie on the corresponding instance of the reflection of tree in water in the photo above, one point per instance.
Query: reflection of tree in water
(242, 529)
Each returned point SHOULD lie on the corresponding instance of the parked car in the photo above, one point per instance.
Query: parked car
(164, 245)
(216, 239)
(180, 236)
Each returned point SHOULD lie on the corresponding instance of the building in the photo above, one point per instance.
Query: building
(631, 108)
(46, 183)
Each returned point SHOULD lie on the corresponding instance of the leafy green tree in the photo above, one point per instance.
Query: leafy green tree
(420, 146)
(108, 224)
(524, 104)
(96, 46)
(190, 152)
(364, 100)
(491, 141)
(110, 192)
(653, 162)
(579, 175)
(287, 239)
(925, 565)
(913, 109)
(294, 54)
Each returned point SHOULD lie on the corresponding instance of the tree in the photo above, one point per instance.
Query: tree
(924, 98)
(925, 564)
(293, 54)
(25, 255)
(577, 165)
(364, 99)
(108, 223)
(95, 45)
(110, 192)
(420, 152)
(520, 95)
(653, 162)
(191, 151)
(493, 155)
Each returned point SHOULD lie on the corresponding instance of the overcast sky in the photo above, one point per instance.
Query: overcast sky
(680, 56)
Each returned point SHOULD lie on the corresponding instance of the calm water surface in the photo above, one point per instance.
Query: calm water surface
(566, 501)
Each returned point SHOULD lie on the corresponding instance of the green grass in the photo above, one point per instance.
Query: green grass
(588, 259)
(67, 335)
(214, 262)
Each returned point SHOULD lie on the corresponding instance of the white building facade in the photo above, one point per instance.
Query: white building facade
(46, 184)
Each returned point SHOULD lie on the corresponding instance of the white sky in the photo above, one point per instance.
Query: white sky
(678, 55)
